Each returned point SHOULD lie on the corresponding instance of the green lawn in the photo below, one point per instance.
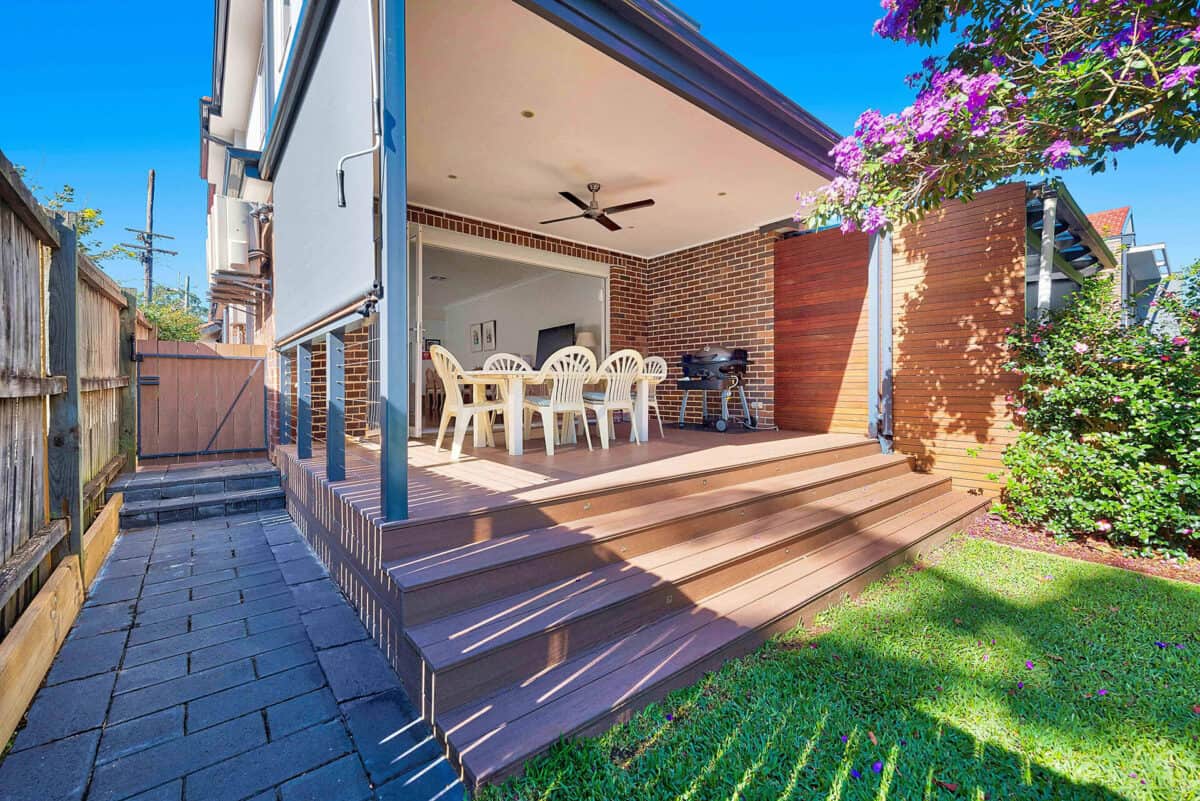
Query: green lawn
(920, 689)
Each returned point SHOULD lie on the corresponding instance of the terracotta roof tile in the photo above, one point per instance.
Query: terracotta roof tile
(1109, 223)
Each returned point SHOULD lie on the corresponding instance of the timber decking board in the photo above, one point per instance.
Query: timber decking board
(490, 744)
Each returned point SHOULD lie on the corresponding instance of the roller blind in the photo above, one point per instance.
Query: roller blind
(325, 255)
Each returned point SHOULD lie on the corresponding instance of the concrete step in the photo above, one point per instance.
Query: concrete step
(139, 514)
(198, 491)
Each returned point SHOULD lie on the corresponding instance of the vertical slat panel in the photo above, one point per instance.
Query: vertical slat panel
(335, 405)
(304, 400)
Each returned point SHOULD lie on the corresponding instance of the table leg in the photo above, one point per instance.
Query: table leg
(514, 418)
(641, 411)
(479, 395)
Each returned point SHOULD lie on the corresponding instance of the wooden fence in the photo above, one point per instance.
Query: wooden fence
(67, 402)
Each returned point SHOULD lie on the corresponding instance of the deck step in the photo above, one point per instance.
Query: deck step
(201, 479)
(453, 580)
(477, 651)
(139, 514)
(623, 487)
(492, 736)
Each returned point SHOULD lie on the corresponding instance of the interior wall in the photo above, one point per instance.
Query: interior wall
(520, 311)
(958, 283)
(822, 332)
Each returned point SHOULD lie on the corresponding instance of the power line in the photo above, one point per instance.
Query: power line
(146, 239)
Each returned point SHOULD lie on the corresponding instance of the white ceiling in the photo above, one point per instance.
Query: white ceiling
(474, 65)
(468, 275)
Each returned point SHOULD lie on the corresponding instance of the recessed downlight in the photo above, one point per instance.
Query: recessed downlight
(722, 194)
(527, 114)
(437, 278)
(452, 177)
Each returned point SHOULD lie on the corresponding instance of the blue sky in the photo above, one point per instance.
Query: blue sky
(115, 92)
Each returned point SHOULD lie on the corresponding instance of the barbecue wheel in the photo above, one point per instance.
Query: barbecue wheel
(721, 424)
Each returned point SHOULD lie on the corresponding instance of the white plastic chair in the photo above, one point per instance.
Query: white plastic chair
(619, 372)
(565, 372)
(656, 370)
(451, 373)
(506, 363)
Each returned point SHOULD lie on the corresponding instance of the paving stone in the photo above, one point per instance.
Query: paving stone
(433, 781)
(333, 625)
(65, 709)
(227, 704)
(124, 567)
(266, 589)
(392, 738)
(56, 771)
(302, 570)
(157, 631)
(151, 673)
(316, 594)
(173, 759)
(182, 643)
(234, 582)
(93, 620)
(194, 583)
(288, 616)
(107, 591)
(285, 658)
(270, 764)
(87, 656)
(241, 611)
(281, 535)
(176, 691)
(140, 733)
(171, 791)
(151, 612)
(168, 572)
(301, 712)
(342, 779)
(161, 601)
(292, 550)
(260, 567)
(205, 658)
(129, 546)
(356, 670)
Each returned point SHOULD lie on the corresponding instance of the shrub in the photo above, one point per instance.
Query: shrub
(1110, 423)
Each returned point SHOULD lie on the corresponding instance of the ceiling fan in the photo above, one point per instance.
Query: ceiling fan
(592, 211)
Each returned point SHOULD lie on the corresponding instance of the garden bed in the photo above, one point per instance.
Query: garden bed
(994, 673)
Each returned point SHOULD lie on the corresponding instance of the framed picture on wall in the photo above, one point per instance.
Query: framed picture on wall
(489, 335)
(476, 337)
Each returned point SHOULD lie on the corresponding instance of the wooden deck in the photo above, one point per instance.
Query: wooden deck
(534, 597)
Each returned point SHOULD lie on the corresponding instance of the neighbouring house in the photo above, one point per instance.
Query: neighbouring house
(387, 175)
(1145, 270)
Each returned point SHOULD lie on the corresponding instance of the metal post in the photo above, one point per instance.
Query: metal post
(285, 398)
(304, 400)
(148, 255)
(393, 314)
(1046, 267)
(65, 449)
(335, 405)
(879, 355)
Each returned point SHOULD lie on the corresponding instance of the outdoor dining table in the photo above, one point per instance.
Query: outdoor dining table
(515, 382)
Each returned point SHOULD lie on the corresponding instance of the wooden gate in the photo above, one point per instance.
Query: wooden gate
(199, 400)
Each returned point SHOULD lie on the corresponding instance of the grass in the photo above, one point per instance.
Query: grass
(920, 690)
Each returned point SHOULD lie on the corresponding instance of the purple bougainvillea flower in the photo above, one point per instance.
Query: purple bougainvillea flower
(1179, 342)
(1029, 664)
(1160, 643)
(1058, 155)
(845, 738)
(854, 772)
(670, 716)
(877, 767)
(1179, 645)
(1020, 685)
(1102, 691)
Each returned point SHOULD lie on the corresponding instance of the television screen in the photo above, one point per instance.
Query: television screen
(554, 339)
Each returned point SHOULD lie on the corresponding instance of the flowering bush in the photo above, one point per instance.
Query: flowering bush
(1110, 419)
(1026, 88)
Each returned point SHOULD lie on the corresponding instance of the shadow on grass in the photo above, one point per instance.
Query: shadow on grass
(906, 696)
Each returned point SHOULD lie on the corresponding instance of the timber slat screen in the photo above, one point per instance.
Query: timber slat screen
(200, 400)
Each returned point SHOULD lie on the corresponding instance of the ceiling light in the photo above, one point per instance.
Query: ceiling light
(722, 194)
(452, 177)
(437, 278)
(527, 114)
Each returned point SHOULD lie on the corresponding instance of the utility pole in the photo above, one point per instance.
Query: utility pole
(146, 239)
(187, 293)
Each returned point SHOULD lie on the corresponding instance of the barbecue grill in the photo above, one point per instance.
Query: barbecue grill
(720, 370)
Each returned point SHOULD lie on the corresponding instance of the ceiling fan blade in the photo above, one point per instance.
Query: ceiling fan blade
(560, 219)
(637, 204)
(607, 223)
(574, 200)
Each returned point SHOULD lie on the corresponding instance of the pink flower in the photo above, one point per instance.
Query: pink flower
(1103, 525)
(1035, 339)
(1117, 399)
(1179, 342)
(1165, 357)
(1102, 691)
(1058, 155)
(1029, 664)
(1020, 410)
(1080, 347)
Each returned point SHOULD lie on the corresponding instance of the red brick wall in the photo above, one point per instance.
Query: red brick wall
(721, 293)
